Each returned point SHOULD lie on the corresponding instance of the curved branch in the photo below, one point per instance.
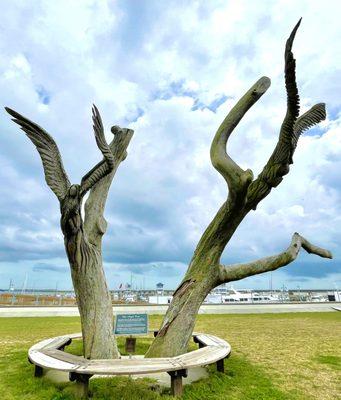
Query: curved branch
(236, 178)
(236, 272)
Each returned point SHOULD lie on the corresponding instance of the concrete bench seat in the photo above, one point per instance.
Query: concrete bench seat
(49, 354)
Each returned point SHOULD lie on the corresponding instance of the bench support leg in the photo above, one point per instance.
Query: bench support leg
(62, 348)
(220, 365)
(82, 384)
(38, 371)
(176, 381)
(200, 344)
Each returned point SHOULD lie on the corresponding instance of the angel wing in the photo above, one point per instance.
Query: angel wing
(291, 129)
(105, 166)
(315, 115)
(55, 174)
(284, 150)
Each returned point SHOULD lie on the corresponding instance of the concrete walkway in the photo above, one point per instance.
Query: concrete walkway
(10, 311)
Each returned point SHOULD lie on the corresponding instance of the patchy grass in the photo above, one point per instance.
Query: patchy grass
(332, 361)
(274, 357)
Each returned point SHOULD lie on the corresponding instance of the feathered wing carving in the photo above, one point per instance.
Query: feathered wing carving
(105, 166)
(291, 129)
(284, 149)
(55, 174)
(100, 138)
(315, 115)
(278, 163)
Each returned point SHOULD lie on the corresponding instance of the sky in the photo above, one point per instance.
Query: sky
(171, 71)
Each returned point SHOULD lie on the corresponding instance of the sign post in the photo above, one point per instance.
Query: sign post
(131, 325)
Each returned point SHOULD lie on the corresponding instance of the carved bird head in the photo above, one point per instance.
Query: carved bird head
(71, 210)
(74, 191)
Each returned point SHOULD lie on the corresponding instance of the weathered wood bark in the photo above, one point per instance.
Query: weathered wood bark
(93, 298)
(83, 244)
(205, 271)
(83, 240)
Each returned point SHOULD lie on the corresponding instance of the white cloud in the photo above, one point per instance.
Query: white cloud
(145, 67)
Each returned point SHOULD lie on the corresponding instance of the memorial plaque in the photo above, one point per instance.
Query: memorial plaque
(131, 324)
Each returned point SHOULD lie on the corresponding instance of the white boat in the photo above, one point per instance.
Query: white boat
(231, 295)
(318, 298)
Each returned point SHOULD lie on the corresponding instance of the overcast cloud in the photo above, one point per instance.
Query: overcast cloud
(170, 71)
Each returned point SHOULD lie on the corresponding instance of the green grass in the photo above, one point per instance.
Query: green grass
(274, 357)
(332, 361)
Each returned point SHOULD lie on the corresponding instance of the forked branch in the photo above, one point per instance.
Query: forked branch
(236, 272)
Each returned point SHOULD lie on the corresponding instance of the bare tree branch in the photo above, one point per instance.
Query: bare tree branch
(236, 272)
(237, 179)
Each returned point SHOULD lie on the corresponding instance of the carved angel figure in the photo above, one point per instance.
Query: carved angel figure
(83, 241)
(70, 196)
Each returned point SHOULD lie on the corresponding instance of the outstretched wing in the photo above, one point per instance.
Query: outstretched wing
(98, 172)
(100, 138)
(55, 174)
(284, 150)
(104, 167)
(291, 129)
(279, 161)
(315, 115)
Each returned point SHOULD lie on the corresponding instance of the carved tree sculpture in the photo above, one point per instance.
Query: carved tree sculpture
(83, 240)
(244, 193)
(205, 272)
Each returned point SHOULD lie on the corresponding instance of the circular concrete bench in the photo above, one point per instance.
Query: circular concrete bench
(49, 354)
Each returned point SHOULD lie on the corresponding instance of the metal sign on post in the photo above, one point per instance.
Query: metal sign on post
(130, 345)
(131, 324)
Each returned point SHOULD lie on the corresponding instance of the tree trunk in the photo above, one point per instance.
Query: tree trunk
(178, 324)
(202, 276)
(83, 244)
(95, 307)
(205, 272)
(93, 297)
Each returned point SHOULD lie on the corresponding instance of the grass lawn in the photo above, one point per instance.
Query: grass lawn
(274, 357)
